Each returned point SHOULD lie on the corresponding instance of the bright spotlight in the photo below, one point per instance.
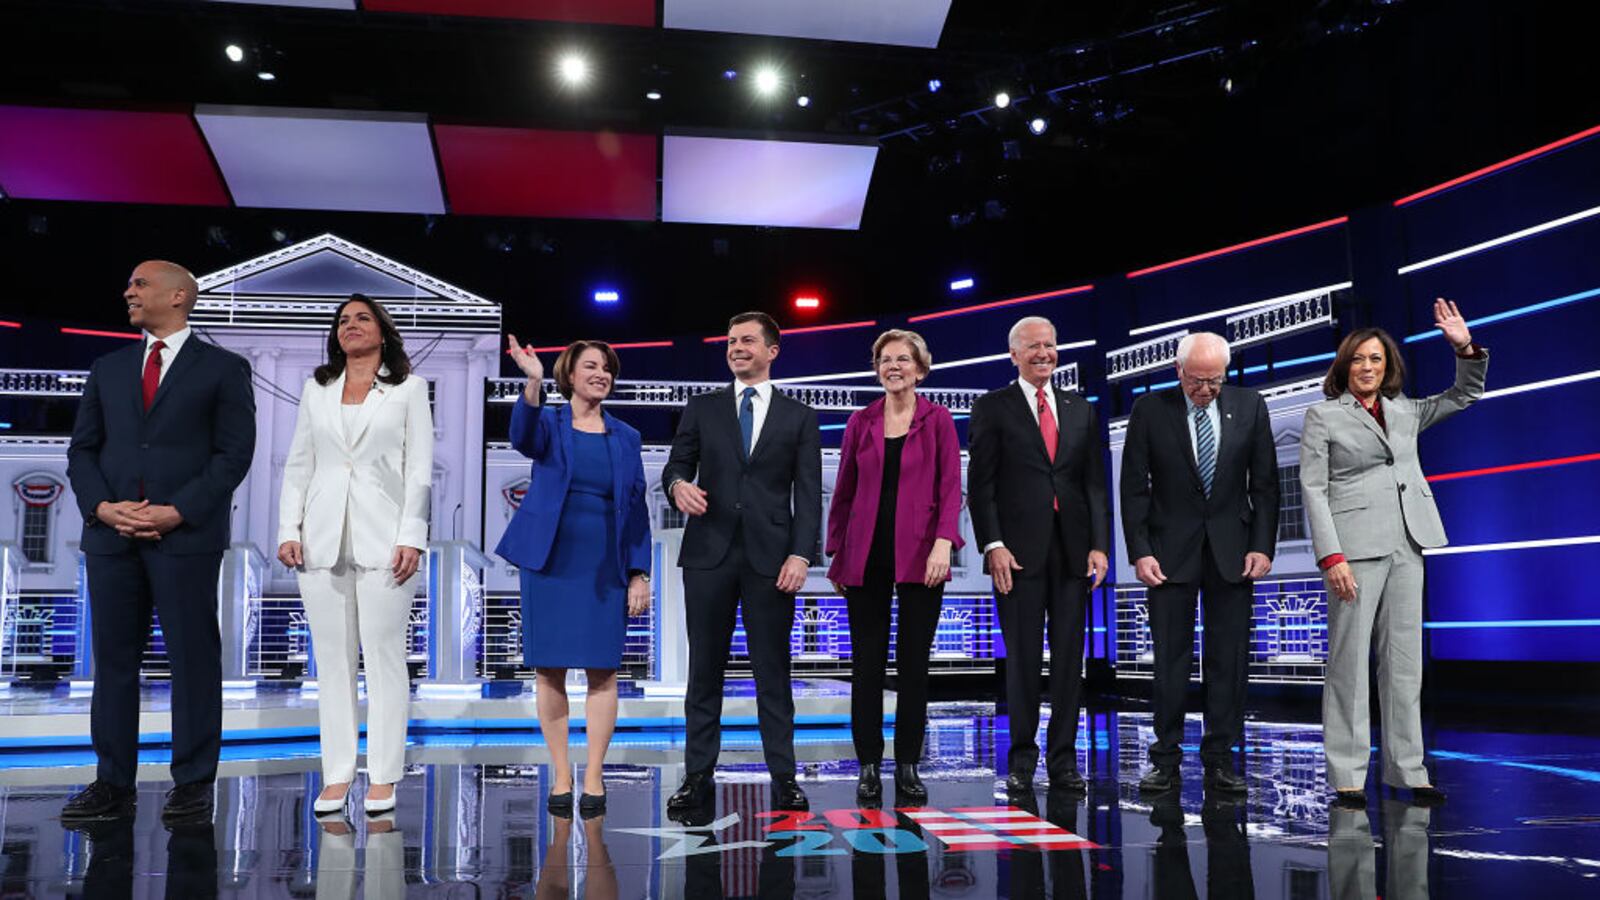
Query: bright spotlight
(1038, 126)
(802, 101)
(934, 85)
(266, 76)
(574, 69)
(1002, 100)
(768, 81)
(235, 53)
(652, 95)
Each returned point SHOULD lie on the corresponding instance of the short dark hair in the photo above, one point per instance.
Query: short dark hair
(393, 352)
(568, 360)
(1394, 368)
(769, 328)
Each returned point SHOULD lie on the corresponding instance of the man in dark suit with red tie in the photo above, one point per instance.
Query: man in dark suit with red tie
(165, 432)
(1036, 486)
(1200, 514)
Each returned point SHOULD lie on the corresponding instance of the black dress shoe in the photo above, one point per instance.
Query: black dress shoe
(101, 799)
(908, 786)
(1019, 784)
(1223, 780)
(591, 805)
(786, 794)
(694, 791)
(1069, 782)
(869, 786)
(1159, 781)
(1427, 796)
(189, 802)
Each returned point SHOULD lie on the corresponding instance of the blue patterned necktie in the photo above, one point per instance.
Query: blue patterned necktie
(747, 419)
(1205, 447)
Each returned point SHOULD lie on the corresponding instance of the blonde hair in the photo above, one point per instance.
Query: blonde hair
(919, 348)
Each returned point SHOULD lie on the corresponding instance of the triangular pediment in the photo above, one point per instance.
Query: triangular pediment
(329, 267)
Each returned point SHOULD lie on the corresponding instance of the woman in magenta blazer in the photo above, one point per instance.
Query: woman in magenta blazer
(894, 520)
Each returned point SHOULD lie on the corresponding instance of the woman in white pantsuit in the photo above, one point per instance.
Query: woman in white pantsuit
(1372, 514)
(353, 519)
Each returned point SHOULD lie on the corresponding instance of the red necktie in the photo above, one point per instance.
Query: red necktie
(152, 373)
(1047, 430)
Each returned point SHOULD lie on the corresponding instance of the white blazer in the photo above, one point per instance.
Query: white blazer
(376, 481)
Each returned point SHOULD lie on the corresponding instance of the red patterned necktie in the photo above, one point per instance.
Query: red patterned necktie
(152, 373)
(1047, 430)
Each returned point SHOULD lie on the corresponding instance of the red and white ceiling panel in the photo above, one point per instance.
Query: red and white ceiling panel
(112, 156)
(910, 23)
(548, 174)
(324, 159)
(641, 13)
(739, 181)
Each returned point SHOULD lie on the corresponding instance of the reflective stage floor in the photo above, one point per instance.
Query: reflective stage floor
(1523, 820)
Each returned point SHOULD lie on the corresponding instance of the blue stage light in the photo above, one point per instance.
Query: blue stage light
(730, 74)
(934, 85)
(961, 284)
(607, 296)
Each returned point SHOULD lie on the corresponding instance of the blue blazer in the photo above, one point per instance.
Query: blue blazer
(191, 449)
(544, 435)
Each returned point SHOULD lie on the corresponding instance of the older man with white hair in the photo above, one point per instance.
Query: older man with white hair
(1200, 515)
(1036, 486)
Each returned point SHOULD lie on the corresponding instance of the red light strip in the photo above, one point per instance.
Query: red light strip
(1516, 467)
(636, 345)
(5, 324)
(809, 329)
(89, 332)
(1282, 235)
(996, 304)
(1503, 164)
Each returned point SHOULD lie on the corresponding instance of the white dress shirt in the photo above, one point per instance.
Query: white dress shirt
(171, 344)
(759, 404)
(1032, 393)
(1216, 425)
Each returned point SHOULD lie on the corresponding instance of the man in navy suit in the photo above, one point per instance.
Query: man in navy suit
(165, 432)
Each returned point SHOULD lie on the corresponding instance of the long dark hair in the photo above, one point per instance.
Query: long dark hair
(1394, 369)
(392, 352)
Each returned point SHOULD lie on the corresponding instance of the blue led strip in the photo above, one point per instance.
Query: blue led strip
(1515, 313)
(1517, 623)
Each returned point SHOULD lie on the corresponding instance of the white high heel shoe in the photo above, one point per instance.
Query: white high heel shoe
(327, 807)
(378, 807)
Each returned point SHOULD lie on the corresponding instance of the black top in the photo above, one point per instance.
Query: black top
(880, 560)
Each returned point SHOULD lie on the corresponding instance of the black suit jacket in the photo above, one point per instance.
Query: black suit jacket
(1165, 511)
(1010, 479)
(190, 450)
(775, 496)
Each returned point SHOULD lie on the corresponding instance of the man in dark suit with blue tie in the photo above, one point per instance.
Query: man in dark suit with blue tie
(1200, 514)
(165, 432)
(755, 515)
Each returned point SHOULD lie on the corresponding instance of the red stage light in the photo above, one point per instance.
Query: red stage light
(807, 301)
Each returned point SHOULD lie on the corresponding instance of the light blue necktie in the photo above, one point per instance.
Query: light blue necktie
(1205, 447)
(747, 419)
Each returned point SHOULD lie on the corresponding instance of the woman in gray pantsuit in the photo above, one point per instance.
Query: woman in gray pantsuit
(1371, 514)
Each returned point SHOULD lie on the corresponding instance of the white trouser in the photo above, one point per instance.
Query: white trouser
(342, 604)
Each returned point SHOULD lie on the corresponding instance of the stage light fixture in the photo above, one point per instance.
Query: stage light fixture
(1039, 125)
(1227, 85)
(768, 81)
(574, 69)
(652, 95)
(934, 85)
(730, 74)
(607, 296)
(807, 301)
(234, 52)
(961, 284)
(266, 76)
(1002, 100)
(802, 101)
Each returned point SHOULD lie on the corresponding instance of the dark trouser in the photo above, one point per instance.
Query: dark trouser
(711, 602)
(869, 607)
(1066, 867)
(1225, 662)
(1057, 593)
(123, 587)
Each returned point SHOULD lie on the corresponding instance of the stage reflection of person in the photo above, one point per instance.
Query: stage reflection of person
(869, 871)
(598, 873)
(191, 860)
(1352, 864)
(895, 518)
(1372, 514)
(1066, 867)
(1227, 850)
(382, 869)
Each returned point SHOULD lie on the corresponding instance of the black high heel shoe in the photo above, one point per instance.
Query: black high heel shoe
(869, 789)
(908, 786)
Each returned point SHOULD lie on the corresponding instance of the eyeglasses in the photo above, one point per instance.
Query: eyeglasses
(1205, 382)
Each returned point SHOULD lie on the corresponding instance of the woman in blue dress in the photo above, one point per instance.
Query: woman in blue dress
(582, 539)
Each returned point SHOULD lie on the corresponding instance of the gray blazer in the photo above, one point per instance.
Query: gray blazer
(1364, 489)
